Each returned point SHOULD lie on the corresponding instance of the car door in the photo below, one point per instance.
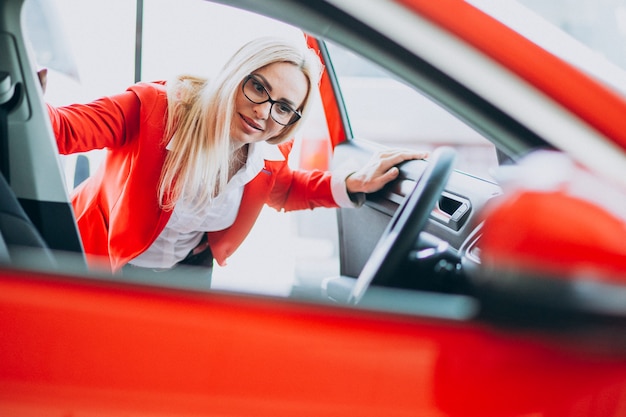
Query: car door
(80, 344)
(370, 111)
(25, 142)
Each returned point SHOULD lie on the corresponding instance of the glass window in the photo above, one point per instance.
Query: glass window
(385, 110)
(100, 40)
(197, 39)
(89, 59)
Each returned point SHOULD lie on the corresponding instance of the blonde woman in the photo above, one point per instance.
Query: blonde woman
(190, 163)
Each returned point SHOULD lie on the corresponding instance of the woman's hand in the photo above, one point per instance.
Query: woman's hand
(380, 170)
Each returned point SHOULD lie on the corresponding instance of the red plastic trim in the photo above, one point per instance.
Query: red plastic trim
(336, 128)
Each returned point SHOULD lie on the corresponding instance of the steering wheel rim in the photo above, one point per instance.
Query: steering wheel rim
(406, 224)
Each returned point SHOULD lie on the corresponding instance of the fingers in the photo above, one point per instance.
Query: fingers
(388, 176)
(380, 170)
(391, 158)
(403, 153)
(371, 178)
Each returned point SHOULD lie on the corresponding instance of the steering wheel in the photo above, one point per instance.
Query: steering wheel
(406, 224)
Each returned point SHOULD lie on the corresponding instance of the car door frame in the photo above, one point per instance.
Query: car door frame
(355, 242)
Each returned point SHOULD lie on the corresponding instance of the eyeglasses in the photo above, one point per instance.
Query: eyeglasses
(281, 112)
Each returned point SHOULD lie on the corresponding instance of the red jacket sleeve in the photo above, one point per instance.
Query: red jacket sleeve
(300, 189)
(104, 123)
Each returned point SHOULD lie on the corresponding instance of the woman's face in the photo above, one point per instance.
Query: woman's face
(285, 83)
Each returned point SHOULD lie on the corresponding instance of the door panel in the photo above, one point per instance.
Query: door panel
(88, 347)
(378, 112)
(360, 229)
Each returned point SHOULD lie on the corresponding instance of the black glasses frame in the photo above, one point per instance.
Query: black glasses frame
(296, 114)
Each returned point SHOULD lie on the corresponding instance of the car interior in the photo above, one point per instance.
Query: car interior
(416, 242)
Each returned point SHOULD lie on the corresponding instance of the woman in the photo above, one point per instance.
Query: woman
(190, 163)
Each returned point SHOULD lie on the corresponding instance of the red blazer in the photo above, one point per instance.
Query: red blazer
(117, 209)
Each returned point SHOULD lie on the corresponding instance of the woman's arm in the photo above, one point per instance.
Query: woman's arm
(104, 123)
(299, 189)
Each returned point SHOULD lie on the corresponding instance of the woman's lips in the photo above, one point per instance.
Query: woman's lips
(251, 123)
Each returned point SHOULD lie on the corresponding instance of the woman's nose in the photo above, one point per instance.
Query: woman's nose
(262, 111)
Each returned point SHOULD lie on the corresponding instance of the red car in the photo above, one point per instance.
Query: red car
(488, 280)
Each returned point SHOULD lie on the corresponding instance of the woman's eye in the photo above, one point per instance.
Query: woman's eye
(283, 108)
(258, 87)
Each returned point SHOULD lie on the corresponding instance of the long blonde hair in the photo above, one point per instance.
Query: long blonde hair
(200, 114)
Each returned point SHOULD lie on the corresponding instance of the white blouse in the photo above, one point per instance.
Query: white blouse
(187, 224)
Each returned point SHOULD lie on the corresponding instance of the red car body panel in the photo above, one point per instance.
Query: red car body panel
(595, 245)
(76, 347)
(336, 129)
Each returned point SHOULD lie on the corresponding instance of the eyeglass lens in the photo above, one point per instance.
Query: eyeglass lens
(281, 112)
